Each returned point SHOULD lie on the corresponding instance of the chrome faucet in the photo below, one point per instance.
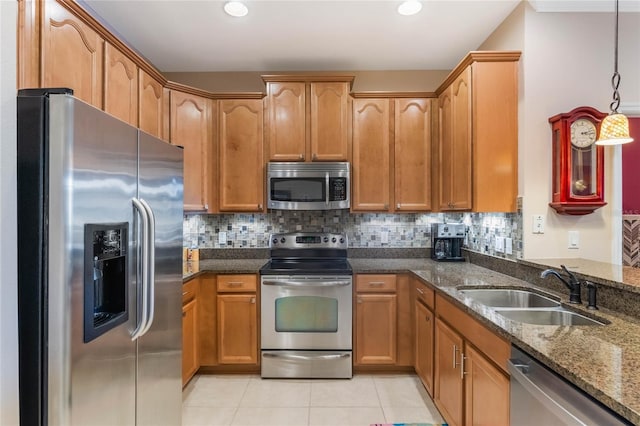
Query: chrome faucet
(572, 283)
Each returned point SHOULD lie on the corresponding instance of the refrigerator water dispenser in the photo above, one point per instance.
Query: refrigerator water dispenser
(105, 278)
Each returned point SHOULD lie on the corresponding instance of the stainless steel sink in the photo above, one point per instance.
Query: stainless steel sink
(547, 317)
(508, 298)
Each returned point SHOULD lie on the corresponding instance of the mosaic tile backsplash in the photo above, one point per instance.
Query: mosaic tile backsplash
(374, 230)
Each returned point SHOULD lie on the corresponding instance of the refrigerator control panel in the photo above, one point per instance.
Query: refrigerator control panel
(105, 278)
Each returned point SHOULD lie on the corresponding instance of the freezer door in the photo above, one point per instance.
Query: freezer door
(159, 395)
(92, 166)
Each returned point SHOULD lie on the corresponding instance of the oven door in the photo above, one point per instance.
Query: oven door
(306, 312)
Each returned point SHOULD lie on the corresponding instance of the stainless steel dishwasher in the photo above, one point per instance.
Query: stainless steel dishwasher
(541, 397)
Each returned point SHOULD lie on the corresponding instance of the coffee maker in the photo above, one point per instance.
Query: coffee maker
(446, 241)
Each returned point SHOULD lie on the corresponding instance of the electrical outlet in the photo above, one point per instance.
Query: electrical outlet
(222, 237)
(574, 239)
(500, 244)
(538, 224)
(384, 237)
(508, 246)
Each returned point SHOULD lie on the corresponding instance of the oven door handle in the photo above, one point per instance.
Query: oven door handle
(305, 357)
(311, 283)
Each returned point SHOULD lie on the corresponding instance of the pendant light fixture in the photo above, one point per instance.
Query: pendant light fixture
(614, 129)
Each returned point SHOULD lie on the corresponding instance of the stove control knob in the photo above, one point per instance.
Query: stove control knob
(341, 240)
(333, 240)
(275, 241)
(282, 240)
(326, 239)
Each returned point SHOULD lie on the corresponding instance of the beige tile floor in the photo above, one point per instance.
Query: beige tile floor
(245, 400)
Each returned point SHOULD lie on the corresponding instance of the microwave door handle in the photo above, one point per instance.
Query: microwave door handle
(326, 177)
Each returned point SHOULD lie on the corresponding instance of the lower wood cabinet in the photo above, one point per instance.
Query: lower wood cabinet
(375, 329)
(471, 381)
(237, 319)
(190, 345)
(424, 345)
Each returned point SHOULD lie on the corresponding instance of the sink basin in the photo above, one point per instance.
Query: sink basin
(547, 317)
(507, 298)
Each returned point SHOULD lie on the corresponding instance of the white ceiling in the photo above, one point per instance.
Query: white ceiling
(302, 35)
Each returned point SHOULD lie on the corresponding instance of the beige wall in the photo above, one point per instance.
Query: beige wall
(421, 81)
(567, 62)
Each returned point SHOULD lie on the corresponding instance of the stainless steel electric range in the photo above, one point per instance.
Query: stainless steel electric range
(306, 307)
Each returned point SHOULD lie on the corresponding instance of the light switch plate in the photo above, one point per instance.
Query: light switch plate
(508, 246)
(574, 239)
(222, 237)
(500, 244)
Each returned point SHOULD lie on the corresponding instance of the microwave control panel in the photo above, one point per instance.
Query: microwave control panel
(337, 189)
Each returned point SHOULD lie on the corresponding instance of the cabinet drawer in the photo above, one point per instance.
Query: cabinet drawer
(236, 283)
(189, 291)
(370, 283)
(425, 294)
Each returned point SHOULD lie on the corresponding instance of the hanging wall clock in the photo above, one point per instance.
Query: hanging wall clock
(578, 163)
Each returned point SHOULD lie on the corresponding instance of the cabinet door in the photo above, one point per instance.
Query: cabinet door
(375, 329)
(207, 313)
(241, 182)
(329, 126)
(448, 375)
(120, 85)
(287, 121)
(237, 329)
(412, 162)
(189, 340)
(424, 346)
(486, 391)
(461, 163)
(150, 105)
(371, 159)
(445, 152)
(191, 129)
(72, 54)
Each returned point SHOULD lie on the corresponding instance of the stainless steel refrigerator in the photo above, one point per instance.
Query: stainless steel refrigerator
(99, 267)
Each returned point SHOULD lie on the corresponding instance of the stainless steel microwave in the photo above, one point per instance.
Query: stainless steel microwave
(308, 186)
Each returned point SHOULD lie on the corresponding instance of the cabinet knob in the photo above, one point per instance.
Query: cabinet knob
(359, 300)
(259, 206)
(386, 206)
(184, 314)
(253, 300)
(427, 318)
(301, 156)
(398, 206)
(314, 156)
(206, 206)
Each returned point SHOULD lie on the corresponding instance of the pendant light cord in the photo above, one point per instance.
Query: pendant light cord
(615, 80)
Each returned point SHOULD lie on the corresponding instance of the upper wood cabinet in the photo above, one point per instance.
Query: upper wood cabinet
(454, 148)
(150, 105)
(478, 134)
(240, 159)
(308, 117)
(120, 85)
(191, 128)
(371, 159)
(412, 160)
(391, 154)
(72, 54)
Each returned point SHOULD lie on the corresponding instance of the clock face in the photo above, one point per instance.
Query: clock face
(583, 133)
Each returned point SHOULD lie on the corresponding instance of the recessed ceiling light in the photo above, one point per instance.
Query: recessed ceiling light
(236, 9)
(409, 7)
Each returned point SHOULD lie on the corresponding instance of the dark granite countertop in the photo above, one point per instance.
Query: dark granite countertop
(604, 361)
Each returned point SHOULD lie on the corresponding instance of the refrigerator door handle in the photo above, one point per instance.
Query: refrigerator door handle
(144, 221)
(151, 265)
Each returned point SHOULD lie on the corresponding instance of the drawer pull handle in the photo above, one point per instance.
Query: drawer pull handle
(420, 291)
(184, 293)
(455, 352)
(376, 283)
(234, 283)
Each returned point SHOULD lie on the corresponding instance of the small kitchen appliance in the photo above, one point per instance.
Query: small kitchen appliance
(306, 307)
(446, 241)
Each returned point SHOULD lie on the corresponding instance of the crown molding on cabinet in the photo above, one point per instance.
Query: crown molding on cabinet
(388, 95)
(478, 56)
(213, 95)
(308, 78)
